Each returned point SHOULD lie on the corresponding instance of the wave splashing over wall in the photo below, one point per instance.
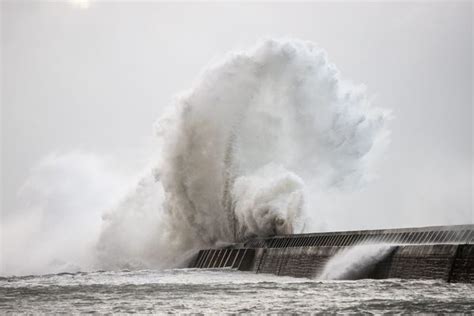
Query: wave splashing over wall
(355, 262)
(258, 132)
(256, 135)
(245, 152)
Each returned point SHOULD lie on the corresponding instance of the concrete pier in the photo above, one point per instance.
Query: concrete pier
(437, 252)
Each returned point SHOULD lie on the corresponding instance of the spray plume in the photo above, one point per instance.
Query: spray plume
(355, 262)
(245, 151)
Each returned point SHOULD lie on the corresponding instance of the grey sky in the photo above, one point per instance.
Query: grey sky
(96, 78)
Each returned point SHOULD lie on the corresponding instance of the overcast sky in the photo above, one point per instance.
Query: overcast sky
(95, 75)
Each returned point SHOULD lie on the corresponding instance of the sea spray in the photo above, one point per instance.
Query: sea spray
(57, 224)
(258, 133)
(247, 151)
(355, 262)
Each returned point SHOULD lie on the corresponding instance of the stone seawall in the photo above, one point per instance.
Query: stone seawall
(441, 252)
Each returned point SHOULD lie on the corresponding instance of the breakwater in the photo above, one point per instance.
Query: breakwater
(437, 252)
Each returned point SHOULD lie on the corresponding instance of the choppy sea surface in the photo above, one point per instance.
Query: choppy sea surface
(224, 291)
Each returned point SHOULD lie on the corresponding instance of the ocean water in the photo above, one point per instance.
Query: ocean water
(224, 291)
